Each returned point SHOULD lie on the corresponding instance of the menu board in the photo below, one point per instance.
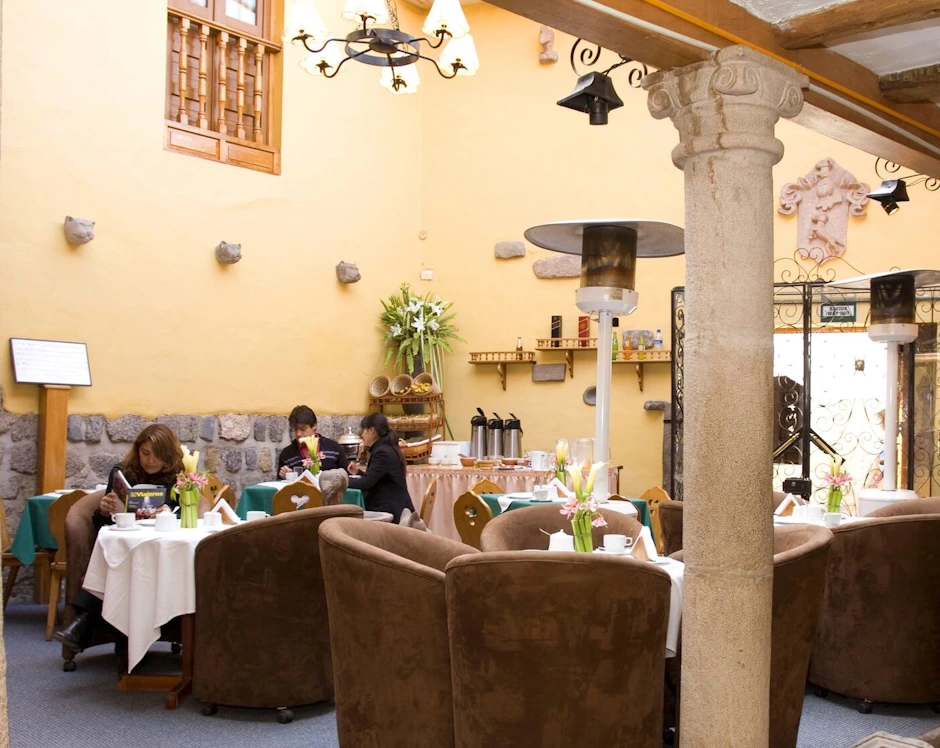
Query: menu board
(50, 362)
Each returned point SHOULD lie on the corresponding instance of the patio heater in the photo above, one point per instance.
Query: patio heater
(892, 322)
(609, 250)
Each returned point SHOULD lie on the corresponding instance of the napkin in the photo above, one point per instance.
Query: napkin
(299, 501)
(228, 514)
(644, 549)
(787, 506)
(560, 541)
(310, 478)
(561, 490)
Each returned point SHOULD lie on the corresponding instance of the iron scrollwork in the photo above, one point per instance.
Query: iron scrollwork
(589, 56)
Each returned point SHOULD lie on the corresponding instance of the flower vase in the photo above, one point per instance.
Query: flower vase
(415, 408)
(834, 502)
(581, 529)
(189, 508)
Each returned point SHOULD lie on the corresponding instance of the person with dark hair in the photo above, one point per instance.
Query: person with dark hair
(303, 422)
(155, 459)
(383, 482)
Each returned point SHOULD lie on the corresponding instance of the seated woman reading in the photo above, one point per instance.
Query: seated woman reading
(155, 458)
(383, 482)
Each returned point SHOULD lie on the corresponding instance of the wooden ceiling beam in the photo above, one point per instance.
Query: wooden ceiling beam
(721, 23)
(918, 84)
(854, 17)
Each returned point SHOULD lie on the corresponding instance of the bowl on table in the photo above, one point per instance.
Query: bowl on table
(468, 462)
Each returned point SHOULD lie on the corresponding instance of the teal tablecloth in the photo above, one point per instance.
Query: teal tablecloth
(642, 509)
(34, 529)
(259, 498)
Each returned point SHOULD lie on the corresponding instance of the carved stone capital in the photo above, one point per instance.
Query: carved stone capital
(730, 101)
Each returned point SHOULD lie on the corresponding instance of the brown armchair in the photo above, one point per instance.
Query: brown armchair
(801, 556)
(670, 520)
(385, 592)
(879, 632)
(541, 658)
(925, 505)
(261, 622)
(522, 529)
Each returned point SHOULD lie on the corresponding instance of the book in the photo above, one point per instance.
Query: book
(141, 496)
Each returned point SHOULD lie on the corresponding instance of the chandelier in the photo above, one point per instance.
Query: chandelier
(377, 40)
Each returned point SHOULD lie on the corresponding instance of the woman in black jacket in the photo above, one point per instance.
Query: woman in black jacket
(383, 483)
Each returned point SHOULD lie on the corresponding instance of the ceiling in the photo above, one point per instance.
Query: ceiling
(873, 65)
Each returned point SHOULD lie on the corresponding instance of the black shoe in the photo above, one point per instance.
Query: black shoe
(75, 635)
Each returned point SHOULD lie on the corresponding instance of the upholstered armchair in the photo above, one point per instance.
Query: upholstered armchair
(385, 592)
(524, 529)
(556, 649)
(801, 556)
(670, 520)
(925, 505)
(879, 632)
(261, 621)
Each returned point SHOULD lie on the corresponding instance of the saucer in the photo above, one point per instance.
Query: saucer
(147, 522)
(661, 561)
(124, 529)
(624, 552)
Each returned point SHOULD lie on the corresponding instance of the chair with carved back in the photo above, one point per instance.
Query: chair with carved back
(10, 561)
(427, 503)
(58, 510)
(486, 486)
(653, 498)
(471, 514)
(214, 485)
(283, 499)
(223, 492)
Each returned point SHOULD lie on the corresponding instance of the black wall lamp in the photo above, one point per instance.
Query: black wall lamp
(594, 93)
(893, 189)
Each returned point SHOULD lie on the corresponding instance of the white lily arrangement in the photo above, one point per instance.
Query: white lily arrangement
(582, 508)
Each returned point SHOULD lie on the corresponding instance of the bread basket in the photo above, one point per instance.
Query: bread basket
(401, 385)
(424, 384)
(379, 386)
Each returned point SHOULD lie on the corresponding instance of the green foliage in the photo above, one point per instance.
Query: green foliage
(418, 325)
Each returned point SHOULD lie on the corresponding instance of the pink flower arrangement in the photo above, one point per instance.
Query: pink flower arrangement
(582, 508)
(185, 481)
(837, 480)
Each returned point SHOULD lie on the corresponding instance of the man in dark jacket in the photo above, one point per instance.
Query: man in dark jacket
(303, 422)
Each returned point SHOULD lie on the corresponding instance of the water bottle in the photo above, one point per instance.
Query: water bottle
(658, 340)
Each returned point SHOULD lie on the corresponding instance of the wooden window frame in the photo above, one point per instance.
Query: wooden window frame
(208, 142)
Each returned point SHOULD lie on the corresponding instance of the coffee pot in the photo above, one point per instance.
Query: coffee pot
(512, 437)
(478, 435)
(494, 437)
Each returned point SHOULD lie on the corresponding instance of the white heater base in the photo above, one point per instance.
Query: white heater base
(870, 499)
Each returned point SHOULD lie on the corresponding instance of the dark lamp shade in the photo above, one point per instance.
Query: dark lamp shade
(892, 300)
(595, 94)
(889, 194)
(608, 257)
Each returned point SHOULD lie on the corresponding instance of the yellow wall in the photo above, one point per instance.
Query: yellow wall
(471, 162)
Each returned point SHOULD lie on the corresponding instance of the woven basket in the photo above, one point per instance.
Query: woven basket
(426, 378)
(379, 386)
(416, 452)
(401, 385)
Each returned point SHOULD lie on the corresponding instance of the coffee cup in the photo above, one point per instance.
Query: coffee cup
(165, 522)
(616, 543)
(212, 520)
(833, 519)
(540, 494)
(291, 476)
(255, 515)
(813, 512)
(125, 519)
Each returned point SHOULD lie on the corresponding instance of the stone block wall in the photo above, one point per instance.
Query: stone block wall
(241, 449)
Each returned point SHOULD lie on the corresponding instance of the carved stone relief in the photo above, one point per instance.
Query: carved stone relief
(548, 55)
(823, 201)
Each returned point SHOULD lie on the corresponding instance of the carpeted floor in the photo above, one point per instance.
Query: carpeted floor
(49, 707)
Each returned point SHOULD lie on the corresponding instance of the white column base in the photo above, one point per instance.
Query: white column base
(870, 499)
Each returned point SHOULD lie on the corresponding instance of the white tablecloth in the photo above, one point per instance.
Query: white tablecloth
(144, 579)
(454, 481)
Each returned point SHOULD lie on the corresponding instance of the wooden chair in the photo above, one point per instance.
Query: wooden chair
(471, 515)
(58, 510)
(282, 499)
(223, 492)
(486, 486)
(9, 560)
(427, 503)
(653, 497)
(214, 485)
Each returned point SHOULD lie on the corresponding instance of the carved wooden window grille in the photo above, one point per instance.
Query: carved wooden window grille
(222, 93)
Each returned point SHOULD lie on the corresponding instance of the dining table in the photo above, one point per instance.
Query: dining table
(499, 503)
(258, 498)
(454, 481)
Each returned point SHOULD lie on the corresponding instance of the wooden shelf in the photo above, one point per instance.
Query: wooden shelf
(567, 346)
(431, 397)
(501, 359)
(641, 358)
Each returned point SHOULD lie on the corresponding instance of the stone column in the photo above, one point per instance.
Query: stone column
(725, 110)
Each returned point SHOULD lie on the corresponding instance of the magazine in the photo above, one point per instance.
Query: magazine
(141, 496)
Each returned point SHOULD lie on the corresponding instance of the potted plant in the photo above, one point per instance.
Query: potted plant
(418, 332)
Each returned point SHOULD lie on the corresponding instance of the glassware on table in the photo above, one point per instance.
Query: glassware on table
(582, 452)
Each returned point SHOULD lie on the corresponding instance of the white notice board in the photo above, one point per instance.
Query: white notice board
(50, 362)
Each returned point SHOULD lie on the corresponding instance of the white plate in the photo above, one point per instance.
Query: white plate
(542, 501)
(625, 552)
(115, 528)
(522, 495)
(794, 520)
(147, 522)
(661, 561)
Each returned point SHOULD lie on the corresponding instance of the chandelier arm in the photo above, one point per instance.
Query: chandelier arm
(440, 35)
(460, 66)
(304, 37)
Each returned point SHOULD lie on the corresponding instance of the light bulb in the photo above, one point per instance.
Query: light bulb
(304, 19)
(446, 15)
(354, 10)
(460, 50)
(407, 76)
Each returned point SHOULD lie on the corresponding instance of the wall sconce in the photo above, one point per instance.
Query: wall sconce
(594, 92)
(893, 189)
